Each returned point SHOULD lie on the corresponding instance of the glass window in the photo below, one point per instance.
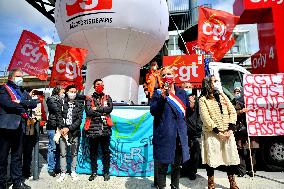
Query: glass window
(230, 79)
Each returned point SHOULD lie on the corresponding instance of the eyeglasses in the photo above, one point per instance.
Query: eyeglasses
(164, 74)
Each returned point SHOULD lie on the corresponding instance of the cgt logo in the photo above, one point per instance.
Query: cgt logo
(80, 6)
(68, 67)
(216, 28)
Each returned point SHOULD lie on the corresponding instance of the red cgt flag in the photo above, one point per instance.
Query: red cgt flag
(30, 55)
(191, 47)
(67, 66)
(215, 30)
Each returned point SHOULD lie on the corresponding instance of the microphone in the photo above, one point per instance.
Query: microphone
(166, 86)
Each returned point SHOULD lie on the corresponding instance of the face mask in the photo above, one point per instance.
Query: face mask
(188, 91)
(238, 95)
(154, 68)
(18, 81)
(62, 95)
(71, 96)
(99, 88)
(34, 97)
(217, 86)
(168, 79)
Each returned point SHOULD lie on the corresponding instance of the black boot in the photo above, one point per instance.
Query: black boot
(93, 176)
(21, 186)
(52, 173)
(173, 187)
(106, 177)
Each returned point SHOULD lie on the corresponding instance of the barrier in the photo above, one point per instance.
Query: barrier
(131, 144)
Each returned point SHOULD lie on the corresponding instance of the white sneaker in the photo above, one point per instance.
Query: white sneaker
(74, 176)
(62, 177)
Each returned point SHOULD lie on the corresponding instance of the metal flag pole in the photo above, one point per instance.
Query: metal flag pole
(180, 35)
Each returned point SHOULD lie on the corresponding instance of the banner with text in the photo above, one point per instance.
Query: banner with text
(264, 99)
(67, 66)
(30, 55)
(215, 28)
(188, 68)
(131, 147)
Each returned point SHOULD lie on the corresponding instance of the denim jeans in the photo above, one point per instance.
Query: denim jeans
(52, 153)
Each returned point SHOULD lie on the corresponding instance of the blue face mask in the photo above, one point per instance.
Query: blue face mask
(188, 91)
(238, 95)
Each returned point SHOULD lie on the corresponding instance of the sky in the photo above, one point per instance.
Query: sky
(17, 15)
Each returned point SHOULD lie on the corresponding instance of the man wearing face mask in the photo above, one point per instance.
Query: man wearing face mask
(72, 113)
(153, 80)
(99, 131)
(194, 130)
(14, 105)
(242, 137)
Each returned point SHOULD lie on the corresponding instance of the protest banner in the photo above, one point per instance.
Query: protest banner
(188, 68)
(264, 100)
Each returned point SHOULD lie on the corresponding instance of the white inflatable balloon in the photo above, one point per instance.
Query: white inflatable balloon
(121, 36)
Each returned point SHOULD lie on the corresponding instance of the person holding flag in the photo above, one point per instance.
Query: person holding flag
(14, 105)
(169, 106)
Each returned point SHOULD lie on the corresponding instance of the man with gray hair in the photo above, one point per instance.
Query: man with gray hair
(14, 103)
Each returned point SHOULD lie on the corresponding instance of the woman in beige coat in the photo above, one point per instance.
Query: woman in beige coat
(218, 142)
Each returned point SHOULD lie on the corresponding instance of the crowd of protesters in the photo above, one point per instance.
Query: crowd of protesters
(186, 127)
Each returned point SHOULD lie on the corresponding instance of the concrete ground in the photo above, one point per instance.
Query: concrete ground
(262, 180)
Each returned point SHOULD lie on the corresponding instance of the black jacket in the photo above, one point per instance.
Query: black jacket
(54, 105)
(77, 115)
(194, 123)
(97, 126)
(10, 112)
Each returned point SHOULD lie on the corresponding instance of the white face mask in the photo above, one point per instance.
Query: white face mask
(218, 86)
(71, 96)
(62, 95)
(18, 81)
(34, 97)
(188, 91)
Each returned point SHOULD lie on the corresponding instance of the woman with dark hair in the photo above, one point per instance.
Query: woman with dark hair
(218, 142)
(54, 104)
(72, 113)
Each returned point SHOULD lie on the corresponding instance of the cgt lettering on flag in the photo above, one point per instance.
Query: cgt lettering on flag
(67, 66)
(188, 68)
(215, 30)
(30, 55)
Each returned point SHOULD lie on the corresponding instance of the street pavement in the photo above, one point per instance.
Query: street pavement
(262, 180)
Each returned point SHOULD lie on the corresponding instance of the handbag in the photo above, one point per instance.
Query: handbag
(109, 121)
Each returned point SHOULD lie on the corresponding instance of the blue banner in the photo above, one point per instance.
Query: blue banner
(131, 144)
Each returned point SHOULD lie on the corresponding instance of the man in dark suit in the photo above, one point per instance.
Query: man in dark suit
(14, 105)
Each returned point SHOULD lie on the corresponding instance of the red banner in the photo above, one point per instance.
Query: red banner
(191, 47)
(188, 68)
(30, 55)
(253, 4)
(67, 66)
(215, 29)
(264, 99)
(80, 6)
